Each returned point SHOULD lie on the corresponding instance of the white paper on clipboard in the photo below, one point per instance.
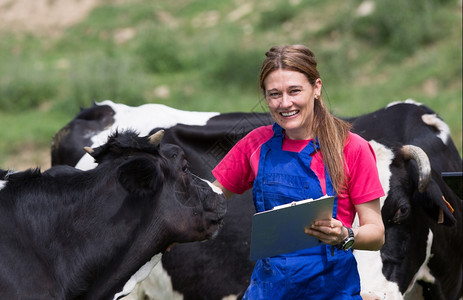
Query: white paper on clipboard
(281, 230)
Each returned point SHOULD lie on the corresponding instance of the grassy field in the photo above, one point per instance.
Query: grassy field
(205, 55)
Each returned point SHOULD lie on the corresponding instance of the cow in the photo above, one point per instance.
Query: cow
(421, 213)
(92, 126)
(73, 234)
(421, 257)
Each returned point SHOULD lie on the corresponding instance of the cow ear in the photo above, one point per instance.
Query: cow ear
(140, 176)
(435, 205)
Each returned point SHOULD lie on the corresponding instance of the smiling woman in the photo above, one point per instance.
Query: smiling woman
(299, 66)
(306, 154)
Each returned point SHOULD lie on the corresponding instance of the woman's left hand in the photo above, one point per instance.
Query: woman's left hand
(330, 232)
(369, 235)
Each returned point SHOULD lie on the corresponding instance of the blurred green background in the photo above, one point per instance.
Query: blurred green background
(205, 55)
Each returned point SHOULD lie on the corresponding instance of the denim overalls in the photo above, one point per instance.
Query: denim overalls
(321, 272)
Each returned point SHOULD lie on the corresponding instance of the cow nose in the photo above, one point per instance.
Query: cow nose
(215, 200)
(217, 203)
(217, 222)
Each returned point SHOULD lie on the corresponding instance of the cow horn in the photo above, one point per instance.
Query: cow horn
(424, 166)
(156, 138)
(89, 150)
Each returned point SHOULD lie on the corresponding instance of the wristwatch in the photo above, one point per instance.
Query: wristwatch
(348, 241)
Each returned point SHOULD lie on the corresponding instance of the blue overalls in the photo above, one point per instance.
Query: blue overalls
(321, 272)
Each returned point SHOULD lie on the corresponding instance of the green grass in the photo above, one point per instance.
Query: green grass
(207, 54)
(27, 131)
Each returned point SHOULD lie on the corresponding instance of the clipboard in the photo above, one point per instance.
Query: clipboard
(281, 229)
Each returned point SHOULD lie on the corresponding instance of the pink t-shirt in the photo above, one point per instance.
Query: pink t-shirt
(238, 169)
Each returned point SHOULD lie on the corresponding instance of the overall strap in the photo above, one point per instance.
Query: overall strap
(274, 146)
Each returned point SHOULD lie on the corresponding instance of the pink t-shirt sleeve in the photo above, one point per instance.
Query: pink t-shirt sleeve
(362, 176)
(364, 184)
(236, 172)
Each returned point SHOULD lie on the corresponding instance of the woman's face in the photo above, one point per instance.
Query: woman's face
(290, 99)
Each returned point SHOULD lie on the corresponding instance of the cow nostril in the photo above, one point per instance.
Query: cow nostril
(219, 223)
(185, 166)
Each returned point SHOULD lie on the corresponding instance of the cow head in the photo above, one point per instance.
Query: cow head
(170, 204)
(416, 203)
(191, 208)
(414, 211)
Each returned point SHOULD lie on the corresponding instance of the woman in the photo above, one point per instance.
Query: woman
(307, 153)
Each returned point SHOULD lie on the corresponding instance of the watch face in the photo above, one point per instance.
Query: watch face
(348, 244)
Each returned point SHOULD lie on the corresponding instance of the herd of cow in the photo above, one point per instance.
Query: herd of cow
(129, 190)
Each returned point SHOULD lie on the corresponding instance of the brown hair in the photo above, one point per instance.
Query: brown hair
(331, 131)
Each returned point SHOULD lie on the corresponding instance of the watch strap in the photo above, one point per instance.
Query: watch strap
(348, 242)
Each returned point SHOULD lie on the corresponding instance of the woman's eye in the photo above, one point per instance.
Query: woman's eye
(274, 95)
(294, 92)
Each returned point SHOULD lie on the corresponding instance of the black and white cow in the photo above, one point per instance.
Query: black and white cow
(422, 215)
(421, 258)
(72, 234)
(92, 126)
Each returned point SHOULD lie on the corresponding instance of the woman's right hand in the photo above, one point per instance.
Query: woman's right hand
(331, 232)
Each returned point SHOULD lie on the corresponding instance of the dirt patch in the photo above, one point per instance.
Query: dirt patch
(29, 157)
(43, 16)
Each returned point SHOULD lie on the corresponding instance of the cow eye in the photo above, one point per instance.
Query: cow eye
(401, 214)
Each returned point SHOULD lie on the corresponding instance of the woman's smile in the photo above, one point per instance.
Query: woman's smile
(290, 113)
